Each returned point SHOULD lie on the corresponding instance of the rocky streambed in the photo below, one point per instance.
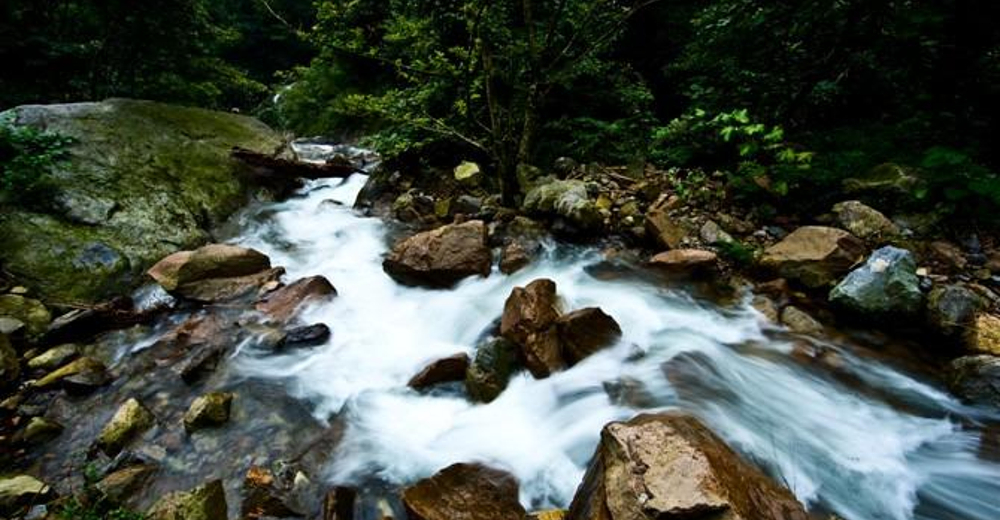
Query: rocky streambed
(329, 364)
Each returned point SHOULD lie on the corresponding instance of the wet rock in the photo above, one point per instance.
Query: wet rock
(767, 307)
(464, 492)
(529, 319)
(951, 309)
(886, 284)
(83, 324)
(130, 421)
(214, 273)
(491, 370)
(984, 335)
(814, 255)
(54, 358)
(976, 379)
(31, 312)
(123, 485)
(513, 258)
(208, 411)
(40, 430)
(82, 374)
(207, 502)
(586, 331)
(284, 303)
(309, 336)
(799, 321)
(339, 503)
(262, 498)
(446, 370)
(864, 221)
(670, 466)
(442, 257)
(629, 391)
(568, 199)
(667, 231)
(20, 490)
(201, 363)
(685, 261)
(10, 363)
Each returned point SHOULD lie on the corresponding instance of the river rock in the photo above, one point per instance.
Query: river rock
(142, 180)
(54, 357)
(667, 231)
(216, 272)
(491, 370)
(951, 309)
(124, 485)
(308, 336)
(29, 311)
(208, 411)
(20, 490)
(446, 370)
(799, 321)
(864, 221)
(82, 374)
(886, 284)
(814, 255)
(685, 261)
(206, 502)
(983, 336)
(567, 199)
(10, 363)
(130, 421)
(339, 503)
(261, 497)
(586, 331)
(976, 379)
(513, 258)
(670, 466)
(442, 257)
(767, 307)
(464, 492)
(529, 319)
(40, 430)
(284, 303)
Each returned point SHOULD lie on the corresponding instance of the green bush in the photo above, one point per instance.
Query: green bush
(27, 157)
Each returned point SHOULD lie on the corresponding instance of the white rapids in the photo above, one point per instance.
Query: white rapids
(873, 443)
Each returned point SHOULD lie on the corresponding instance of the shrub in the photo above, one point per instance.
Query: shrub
(27, 157)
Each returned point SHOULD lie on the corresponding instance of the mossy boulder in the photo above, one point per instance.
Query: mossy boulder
(142, 180)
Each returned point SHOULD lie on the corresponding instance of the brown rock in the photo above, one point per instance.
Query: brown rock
(226, 289)
(949, 255)
(262, 498)
(665, 229)
(984, 336)
(767, 307)
(445, 370)
(799, 321)
(464, 492)
(685, 260)
(513, 258)
(215, 272)
(669, 466)
(442, 257)
(814, 255)
(122, 486)
(339, 503)
(284, 303)
(584, 332)
(529, 319)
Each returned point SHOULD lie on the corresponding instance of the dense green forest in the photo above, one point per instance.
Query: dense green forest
(785, 98)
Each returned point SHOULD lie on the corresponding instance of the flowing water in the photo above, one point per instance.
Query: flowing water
(853, 435)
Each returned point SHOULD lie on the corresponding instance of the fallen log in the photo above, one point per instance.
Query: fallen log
(272, 168)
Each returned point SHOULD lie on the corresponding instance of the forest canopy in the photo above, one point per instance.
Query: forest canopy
(801, 94)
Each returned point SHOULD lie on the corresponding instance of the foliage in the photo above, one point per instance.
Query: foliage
(736, 252)
(74, 509)
(755, 156)
(27, 156)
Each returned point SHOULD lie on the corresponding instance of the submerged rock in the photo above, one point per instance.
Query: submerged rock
(207, 411)
(130, 421)
(586, 331)
(284, 303)
(670, 466)
(529, 318)
(442, 257)
(214, 273)
(976, 379)
(491, 370)
(465, 492)
(207, 502)
(143, 179)
(814, 255)
(446, 370)
(886, 284)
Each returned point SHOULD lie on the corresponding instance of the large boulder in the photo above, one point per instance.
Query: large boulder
(464, 492)
(864, 221)
(441, 257)
(130, 421)
(529, 320)
(567, 199)
(214, 273)
(207, 502)
(976, 379)
(586, 331)
(814, 255)
(491, 369)
(670, 466)
(886, 284)
(143, 179)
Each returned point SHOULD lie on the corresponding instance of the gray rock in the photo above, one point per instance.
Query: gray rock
(976, 379)
(951, 309)
(491, 370)
(886, 284)
(567, 199)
